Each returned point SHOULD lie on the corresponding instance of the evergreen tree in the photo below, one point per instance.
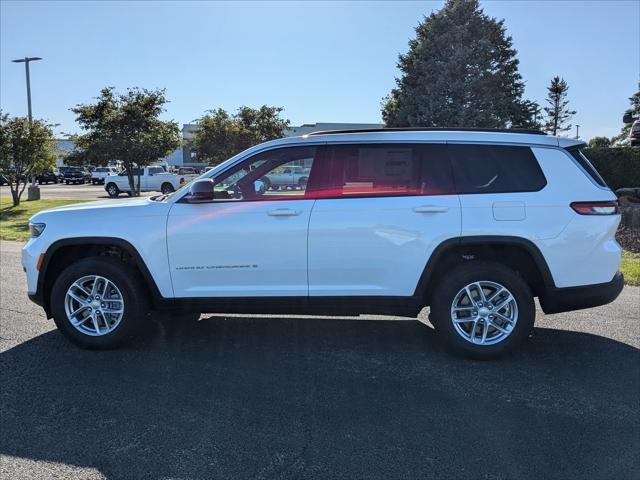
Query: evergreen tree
(557, 114)
(461, 70)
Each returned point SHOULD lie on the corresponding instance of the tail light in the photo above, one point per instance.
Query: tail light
(596, 208)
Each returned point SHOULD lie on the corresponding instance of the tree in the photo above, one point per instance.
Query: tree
(125, 127)
(461, 70)
(557, 114)
(220, 135)
(26, 149)
(600, 142)
(634, 111)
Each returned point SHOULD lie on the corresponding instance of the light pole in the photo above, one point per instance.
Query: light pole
(33, 193)
(577, 131)
(26, 61)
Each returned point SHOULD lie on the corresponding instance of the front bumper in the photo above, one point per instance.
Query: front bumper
(556, 300)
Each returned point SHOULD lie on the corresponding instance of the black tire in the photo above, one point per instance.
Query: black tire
(167, 188)
(66, 182)
(302, 183)
(131, 286)
(112, 190)
(267, 183)
(454, 281)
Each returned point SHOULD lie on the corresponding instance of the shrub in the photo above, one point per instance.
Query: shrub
(619, 166)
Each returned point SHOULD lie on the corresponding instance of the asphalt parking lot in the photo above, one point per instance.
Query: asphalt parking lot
(273, 397)
(61, 191)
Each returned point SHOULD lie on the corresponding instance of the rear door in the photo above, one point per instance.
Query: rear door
(378, 217)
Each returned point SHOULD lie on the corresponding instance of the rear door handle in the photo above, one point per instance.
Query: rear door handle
(283, 212)
(430, 209)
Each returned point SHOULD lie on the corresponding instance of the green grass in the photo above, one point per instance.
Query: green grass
(631, 268)
(14, 221)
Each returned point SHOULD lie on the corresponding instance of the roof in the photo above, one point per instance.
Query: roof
(513, 136)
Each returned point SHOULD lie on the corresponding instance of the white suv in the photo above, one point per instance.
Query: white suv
(473, 224)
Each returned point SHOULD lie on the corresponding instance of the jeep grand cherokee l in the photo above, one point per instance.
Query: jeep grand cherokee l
(473, 224)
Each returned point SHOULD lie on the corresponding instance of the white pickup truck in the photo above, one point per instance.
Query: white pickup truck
(99, 175)
(152, 179)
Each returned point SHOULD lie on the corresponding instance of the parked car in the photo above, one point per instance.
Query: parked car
(152, 179)
(187, 171)
(473, 224)
(47, 177)
(99, 174)
(291, 176)
(634, 134)
(76, 175)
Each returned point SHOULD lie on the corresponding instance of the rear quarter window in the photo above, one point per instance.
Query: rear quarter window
(495, 169)
(586, 165)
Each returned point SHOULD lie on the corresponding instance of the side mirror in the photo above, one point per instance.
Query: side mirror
(201, 191)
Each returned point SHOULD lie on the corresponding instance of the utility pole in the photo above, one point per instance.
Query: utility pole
(33, 193)
(577, 131)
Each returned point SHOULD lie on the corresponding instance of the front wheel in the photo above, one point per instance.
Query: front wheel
(99, 303)
(113, 190)
(482, 309)
(167, 188)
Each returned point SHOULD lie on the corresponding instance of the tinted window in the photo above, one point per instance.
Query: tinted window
(387, 170)
(587, 166)
(495, 169)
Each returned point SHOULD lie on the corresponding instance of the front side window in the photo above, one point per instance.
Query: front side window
(495, 169)
(365, 170)
(279, 174)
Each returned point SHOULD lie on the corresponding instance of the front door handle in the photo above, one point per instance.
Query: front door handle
(430, 209)
(283, 212)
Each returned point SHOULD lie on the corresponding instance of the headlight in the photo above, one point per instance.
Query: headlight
(36, 229)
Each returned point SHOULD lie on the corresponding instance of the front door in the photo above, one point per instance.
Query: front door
(251, 240)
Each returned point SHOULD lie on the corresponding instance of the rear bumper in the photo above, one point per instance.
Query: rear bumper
(556, 300)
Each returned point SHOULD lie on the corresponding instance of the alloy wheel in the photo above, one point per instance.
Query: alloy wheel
(484, 313)
(94, 305)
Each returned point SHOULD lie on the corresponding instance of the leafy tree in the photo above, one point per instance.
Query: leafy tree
(26, 149)
(124, 127)
(557, 114)
(461, 70)
(634, 111)
(220, 135)
(600, 142)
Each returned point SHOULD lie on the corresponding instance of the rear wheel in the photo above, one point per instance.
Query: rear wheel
(99, 303)
(302, 183)
(113, 190)
(167, 188)
(482, 309)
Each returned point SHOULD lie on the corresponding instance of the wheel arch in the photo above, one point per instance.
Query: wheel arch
(518, 253)
(83, 247)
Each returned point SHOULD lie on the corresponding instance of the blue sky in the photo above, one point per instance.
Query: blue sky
(322, 61)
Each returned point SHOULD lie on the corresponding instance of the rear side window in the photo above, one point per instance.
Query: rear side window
(587, 167)
(495, 169)
(387, 170)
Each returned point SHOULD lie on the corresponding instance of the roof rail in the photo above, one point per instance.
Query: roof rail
(431, 129)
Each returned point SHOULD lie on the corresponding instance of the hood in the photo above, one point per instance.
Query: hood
(133, 207)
